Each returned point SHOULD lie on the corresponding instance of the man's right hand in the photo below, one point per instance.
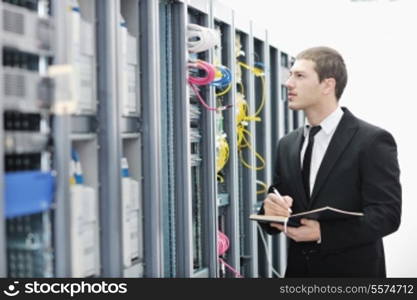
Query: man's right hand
(277, 206)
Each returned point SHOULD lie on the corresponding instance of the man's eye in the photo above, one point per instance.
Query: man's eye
(300, 75)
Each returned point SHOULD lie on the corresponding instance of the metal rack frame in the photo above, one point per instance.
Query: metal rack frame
(225, 16)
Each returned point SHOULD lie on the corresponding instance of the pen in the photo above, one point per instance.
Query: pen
(279, 195)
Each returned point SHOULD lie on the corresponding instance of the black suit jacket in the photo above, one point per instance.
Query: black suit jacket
(359, 172)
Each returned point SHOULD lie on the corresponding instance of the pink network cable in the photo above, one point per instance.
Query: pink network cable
(222, 247)
(210, 76)
(208, 68)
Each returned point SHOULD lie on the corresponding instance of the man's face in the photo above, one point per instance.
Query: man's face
(304, 89)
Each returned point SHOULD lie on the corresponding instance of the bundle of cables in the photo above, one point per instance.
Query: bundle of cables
(209, 78)
(223, 245)
(207, 68)
(243, 134)
(201, 38)
(222, 154)
(258, 72)
(223, 80)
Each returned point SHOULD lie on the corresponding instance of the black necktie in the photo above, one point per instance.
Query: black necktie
(307, 159)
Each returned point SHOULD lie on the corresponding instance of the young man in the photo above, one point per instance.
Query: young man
(335, 160)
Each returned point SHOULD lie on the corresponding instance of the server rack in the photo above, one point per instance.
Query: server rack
(76, 135)
(227, 178)
(189, 180)
(263, 136)
(204, 193)
(128, 146)
(262, 107)
(130, 133)
(27, 154)
(177, 178)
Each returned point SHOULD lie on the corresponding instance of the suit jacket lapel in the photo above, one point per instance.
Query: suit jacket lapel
(342, 136)
(295, 168)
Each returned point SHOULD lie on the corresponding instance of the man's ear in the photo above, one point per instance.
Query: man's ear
(329, 86)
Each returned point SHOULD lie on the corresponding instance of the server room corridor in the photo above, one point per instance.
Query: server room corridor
(140, 135)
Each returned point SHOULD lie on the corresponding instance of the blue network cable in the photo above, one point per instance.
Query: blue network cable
(226, 78)
(78, 174)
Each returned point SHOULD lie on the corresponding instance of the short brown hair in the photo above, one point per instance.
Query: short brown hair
(329, 64)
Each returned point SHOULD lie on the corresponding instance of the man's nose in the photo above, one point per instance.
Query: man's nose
(289, 84)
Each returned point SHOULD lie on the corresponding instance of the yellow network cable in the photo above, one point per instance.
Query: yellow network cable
(258, 73)
(264, 187)
(222, 153)
(242, 132)
(219, 76)
(225, 91)
(242, 119)
(258, 156)
(222, 147)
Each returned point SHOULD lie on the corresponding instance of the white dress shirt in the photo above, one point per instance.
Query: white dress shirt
(321, 142)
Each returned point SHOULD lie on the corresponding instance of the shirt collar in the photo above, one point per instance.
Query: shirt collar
(329, 124)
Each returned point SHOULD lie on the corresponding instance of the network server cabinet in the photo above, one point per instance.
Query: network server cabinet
(261, 70)
(128, 65)
(26, 160)
(189, 181)
(226, 136)
(203, 170)
(99, 157)
(123, 82)
(263, 165)
(245, 100)
(78, 198)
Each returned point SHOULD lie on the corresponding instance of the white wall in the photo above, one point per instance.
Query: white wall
(378, 41)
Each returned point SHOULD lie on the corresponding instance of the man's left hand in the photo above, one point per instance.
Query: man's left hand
(309, 231)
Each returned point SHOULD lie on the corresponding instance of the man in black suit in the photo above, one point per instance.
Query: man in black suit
(335, 160)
